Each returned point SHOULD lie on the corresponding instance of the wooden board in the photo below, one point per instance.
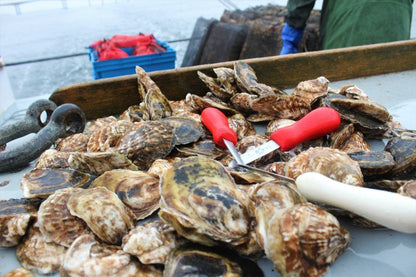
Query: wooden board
(113, 95)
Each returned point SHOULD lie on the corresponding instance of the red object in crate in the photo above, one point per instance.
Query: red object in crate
(110, 49)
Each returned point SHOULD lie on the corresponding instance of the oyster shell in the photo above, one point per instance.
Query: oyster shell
(186, 130)
(373, 163)
(196, 260)
(205, 147)
(158, 167)
(75, 142)
(302, 240)
(37, 254)
(15, 217)
(51, 158)
(138, 190)
(103, 212)
(199, 103)
(332, 163)
(42, 182)
(151, 242)
(408, 189)
(349, 140)
(247, 80)
(201, 201)
(99, 123)
(55, 221)
(108, 137)
(214, 86)
(153, 140)
(281, 106)
(226, 78)
(311, 89)
(96, 163)
(403, 150)
(19, 272)
(250, 142)
(242, 102)
(241, 126)
(88, 257)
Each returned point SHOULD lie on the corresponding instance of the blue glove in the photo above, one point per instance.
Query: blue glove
(291, 38)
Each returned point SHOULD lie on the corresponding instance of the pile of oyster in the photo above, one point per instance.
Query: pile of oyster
(148, 193)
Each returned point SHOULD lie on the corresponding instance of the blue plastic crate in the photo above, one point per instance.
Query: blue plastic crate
(126, 66)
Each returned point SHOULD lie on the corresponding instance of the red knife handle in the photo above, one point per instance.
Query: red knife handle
(217, 124)
(315, 124)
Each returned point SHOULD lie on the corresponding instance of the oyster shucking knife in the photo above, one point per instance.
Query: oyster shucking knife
(388, 209)
(317, 123)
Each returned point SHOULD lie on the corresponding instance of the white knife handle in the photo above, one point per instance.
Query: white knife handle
(388, 209)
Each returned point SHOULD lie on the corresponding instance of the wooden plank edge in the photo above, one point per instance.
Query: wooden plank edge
(113, 95)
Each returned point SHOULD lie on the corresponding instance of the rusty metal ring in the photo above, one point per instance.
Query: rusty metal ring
(66, 120)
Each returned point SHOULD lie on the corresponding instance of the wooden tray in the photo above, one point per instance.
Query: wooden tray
(113, 95)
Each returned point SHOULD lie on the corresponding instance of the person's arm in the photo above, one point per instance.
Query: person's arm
(298, 12)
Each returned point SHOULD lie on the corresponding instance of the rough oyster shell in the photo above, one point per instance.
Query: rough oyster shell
(42, 182)
(201, 201)
(88, 257)
(19, 272)
(138, 190)
(153, 140)
(403, 150)
(302, 240)
(408, 189)
(39, 255)
(103, 212)
(373, 163)
(311, 89)
(51, 158)
(199, 103)
(241, 126)
(75, 142)
(214, 86)
(108, 137)
(247, 80)
(281, 106)
(330, 162)
(226, 78)
(15, 216)
(55, 221)
(151, 242)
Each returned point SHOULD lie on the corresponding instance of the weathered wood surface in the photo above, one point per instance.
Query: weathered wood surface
(113, 95)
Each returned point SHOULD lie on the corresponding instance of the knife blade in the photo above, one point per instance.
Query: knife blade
(317, 123)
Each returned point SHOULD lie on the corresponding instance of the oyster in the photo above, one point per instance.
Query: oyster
(98, 163)
(39, 255)
(51, 158)
(353, 92)
(73, 143)
(15, 217)
(199, 103)
(103, 212)
(19, 272)
(55, 221)
(332, 163)
(408, 189)
(42, 182)
(311, 89)
(158, 167)
(99, 123)
(403, 150)
(196, 260)
(241, 126)
(214, 86)
(154, 140)
(138, 190)
(302, 240)
(242, 102)
(349, 140)
(151, 242)
(250, 142)
(135, 113)
(186, 130)
(155, 101)
(281, 106)
(107, 137)
(247, 80)
(201, 201)
(205, 147)
(226, 78)
(88, 257)
(373, 163)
